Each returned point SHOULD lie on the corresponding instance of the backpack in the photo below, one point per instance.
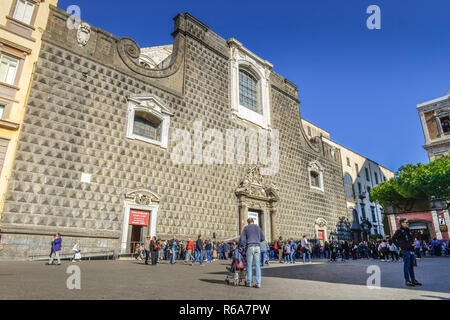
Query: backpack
(276, 246)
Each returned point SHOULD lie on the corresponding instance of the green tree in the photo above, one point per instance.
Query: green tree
(415, 182)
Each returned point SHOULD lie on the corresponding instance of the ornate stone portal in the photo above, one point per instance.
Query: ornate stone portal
(254, 194)
(146, 201)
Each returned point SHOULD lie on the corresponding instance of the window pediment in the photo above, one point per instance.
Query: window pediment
(148, 120)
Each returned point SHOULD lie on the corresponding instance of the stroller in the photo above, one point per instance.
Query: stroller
(237, 272)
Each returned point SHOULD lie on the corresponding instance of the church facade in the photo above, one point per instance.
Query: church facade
(102, 154)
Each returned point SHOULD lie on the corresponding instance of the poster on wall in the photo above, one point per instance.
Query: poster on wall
(255, 216)
(139, 218)
(320, 234)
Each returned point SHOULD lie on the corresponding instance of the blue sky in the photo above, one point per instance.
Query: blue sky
(361, 85)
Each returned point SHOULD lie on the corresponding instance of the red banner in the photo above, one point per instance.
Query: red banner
(320, 234)
(139, 218)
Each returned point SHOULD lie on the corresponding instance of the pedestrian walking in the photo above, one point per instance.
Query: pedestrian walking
(404, 242)
(306, 250)
(263, 252)
(173, 245)
(251, 239)
(56, 249)
(76, 251)
(199, 250)
(154, 250)
(279, 247)
(293, 250)
(226, 250)
(189, 251)
(287, 252)
(147, 247)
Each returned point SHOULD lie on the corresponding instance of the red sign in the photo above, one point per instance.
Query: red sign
(139, 218)
(320, 234)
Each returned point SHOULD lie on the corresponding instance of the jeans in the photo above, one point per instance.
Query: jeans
(304, 256)
(408, 267)
(227, 255)
(188, 255)
(209, 255)
(147, 254)
(254, 253)
(263, 257)
(54, 253)
(287, 258)
(293, 257)
(198, 255)
(173, 257)
(327, 254)
(343, 256)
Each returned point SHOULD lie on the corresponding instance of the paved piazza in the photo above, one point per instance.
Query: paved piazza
(134, 280)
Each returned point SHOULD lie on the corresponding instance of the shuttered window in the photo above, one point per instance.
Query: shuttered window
(24, 11)
(8, 69)
(3, 147)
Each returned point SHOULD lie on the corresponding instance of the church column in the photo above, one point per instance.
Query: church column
(243, 215)
(273, 229)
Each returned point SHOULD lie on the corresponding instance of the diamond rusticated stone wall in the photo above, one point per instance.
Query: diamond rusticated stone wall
(76, 122)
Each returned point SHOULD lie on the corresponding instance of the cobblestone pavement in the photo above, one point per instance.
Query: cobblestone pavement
(134, 280)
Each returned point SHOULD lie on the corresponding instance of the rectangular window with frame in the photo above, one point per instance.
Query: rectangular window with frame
(357, 169)
(348, 162)
(2, 110)
(8, 69)
(367, 174)
(24, 11)
(374, 217)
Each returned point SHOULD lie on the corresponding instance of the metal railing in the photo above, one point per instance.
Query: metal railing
(35, 252)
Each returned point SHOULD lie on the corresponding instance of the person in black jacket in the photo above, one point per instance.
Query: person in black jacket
(199, 250)
(404, 241)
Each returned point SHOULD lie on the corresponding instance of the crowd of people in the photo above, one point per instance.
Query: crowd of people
(287, 251)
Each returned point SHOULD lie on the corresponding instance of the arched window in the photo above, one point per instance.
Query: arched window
(349, 189)
(248, 90)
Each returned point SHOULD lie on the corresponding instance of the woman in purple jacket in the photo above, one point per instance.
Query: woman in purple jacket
(56, 249)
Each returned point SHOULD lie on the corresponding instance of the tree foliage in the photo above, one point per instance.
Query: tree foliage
(421, 181)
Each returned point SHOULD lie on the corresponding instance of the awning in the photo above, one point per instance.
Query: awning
(419, 226)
